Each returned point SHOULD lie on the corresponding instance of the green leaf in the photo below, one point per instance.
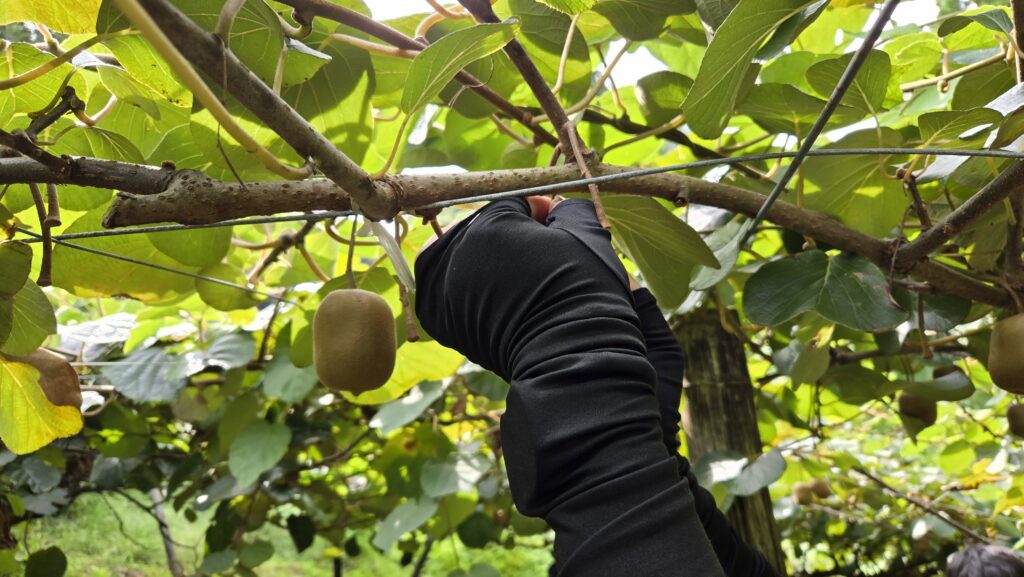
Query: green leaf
(857, 385)
(438, 64)
(32, 320)
(96, 143)
(49, 562)
(867, 92)
(91, 275)
(439, 478)
(401, 412)
(218, 562)
(1010, 130)
(998, 20)
(231, 351)
(849, 290)
(956, 457)
(223, 297)
(203, 247)
(67, 16)
(941, 312)
(854, 189)
(403, 519)
(129, 90)
(148, 375)
(944, 128)
(543, 36)
(28, 420)
(570, 7)
(124, 434)
(728, 60)
(15, 264)
(641, 19)
(725, 243)
(301, 62)
(661, 95)
(764, 471)
(788, 31)
(952, 387)
(283, 380)
(256, 449)
(477, 531)
(256, 553)
(783, 109)
(714, 12)
(663, 247)
(487, 384)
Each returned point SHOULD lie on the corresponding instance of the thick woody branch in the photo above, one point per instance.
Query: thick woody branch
(151, 195)
(208, 54)
(381, 31)
(977, 206)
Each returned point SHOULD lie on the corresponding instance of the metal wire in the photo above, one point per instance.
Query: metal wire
(157, 266)
(550, 188)
(833, 102)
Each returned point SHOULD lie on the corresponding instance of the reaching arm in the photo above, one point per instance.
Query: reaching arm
(548, 308)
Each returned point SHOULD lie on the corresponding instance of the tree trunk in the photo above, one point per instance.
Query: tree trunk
(719, 415)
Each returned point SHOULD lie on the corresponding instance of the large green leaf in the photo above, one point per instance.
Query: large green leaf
(256, 449)
(954, 386)
(32, 320)
(49, 562)
(641, 19)
(714, 12)
(849, 290)
(997, 19)
(405, 410)
(95, 143)
(15, 264)
(661, 95)
(662, 246)
(543, 36)
(867, 92)
(202, 247)
(403, 519)
(857, 189)
(944, 128)
(223, 297)
(764, 471)
(67, 16)
(783, 109)
(148, 375)
(571, 7)
(729, 58)
(90, 275)
(438, 64)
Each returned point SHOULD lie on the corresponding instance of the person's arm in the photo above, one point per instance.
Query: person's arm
(548, 308)
(666, 356)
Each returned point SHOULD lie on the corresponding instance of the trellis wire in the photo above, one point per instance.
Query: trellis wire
(548, 188)
(158, 266)
(833, 102)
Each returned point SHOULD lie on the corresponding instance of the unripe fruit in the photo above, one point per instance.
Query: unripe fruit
(354, 341)
(803, 493)
(1015, 417)
(924, 410)
(1006, 354)
(821, 488)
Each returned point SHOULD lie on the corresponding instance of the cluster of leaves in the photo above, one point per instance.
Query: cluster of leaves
(205, 391)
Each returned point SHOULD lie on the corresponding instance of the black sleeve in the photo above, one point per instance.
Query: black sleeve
(548, 308)
(666, 356)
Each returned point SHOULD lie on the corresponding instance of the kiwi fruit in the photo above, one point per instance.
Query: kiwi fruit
(354, 341)
(821, 488)
(1015, 418)
(1006, 354)
(57, 378)
(803, 493)
(920, 408)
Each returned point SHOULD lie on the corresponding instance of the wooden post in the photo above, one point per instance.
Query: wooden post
(719, 415)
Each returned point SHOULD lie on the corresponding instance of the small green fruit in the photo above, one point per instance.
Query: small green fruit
(1006, 354)
(924, 410)
(354, 341)
(803, 493)
(1015, 417)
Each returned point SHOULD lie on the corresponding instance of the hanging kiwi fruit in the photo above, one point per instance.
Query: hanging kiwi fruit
(821, 488)
(1006, 354)
(803, 493)
(354, 341)
(920, 408)
(1015, 418)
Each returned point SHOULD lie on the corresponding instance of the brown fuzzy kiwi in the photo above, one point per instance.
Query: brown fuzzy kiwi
(354, 341)
(1015, 417)
(57, 378)
(803, 493)
(821, 488)
(1006, 354)
(925, 410)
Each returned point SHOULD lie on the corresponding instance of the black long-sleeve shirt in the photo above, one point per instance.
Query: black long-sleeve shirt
(587, 447)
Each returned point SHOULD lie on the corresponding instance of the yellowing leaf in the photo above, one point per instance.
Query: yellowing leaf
(416, 362)
(28, 420)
